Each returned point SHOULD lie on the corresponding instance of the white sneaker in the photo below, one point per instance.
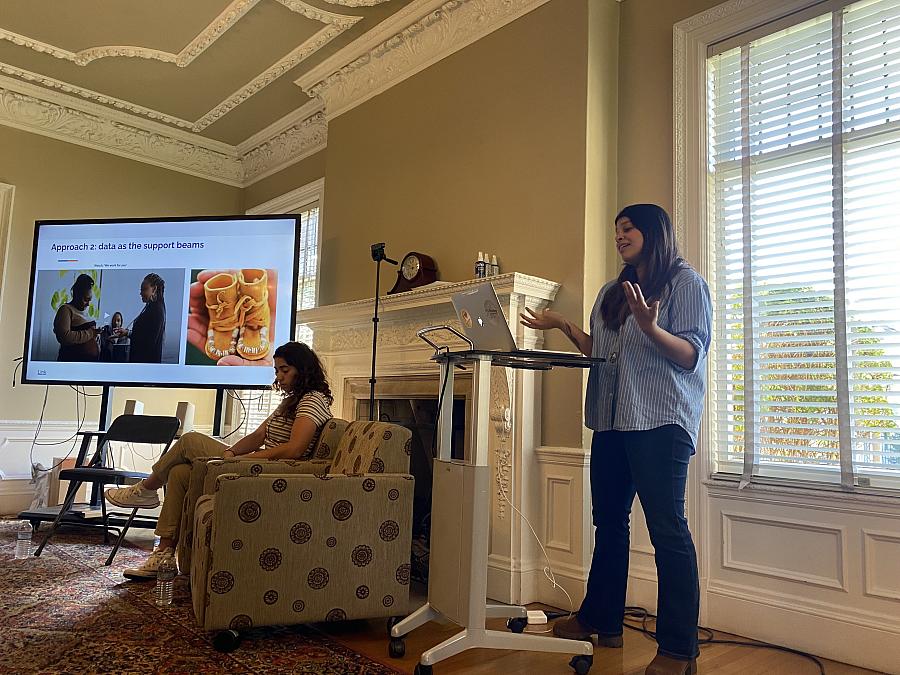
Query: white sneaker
(148, 569)
(133, 497)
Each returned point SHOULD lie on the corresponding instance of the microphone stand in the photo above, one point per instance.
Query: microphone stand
(377, 255)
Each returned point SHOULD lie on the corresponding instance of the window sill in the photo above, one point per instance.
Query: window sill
(802, 492)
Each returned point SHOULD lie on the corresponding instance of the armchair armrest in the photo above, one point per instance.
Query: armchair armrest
(295, 548)
(205, 471)
(256, 467)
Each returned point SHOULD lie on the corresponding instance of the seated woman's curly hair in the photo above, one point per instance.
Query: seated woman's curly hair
(310, 376)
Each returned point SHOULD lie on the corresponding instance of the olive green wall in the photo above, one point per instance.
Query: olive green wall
(54, 179)
(483, 151)
(645, 97)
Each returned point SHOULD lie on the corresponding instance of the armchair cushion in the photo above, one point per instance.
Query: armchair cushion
(373, 447)
(291, 548)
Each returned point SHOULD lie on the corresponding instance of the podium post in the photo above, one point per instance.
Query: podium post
(457, 579)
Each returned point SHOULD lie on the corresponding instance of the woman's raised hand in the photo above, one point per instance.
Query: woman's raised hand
(543, 320)
(645, 315)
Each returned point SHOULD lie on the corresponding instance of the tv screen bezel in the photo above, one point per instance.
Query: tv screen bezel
(168, 219)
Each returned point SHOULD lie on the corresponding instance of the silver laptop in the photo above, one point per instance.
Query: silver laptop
(483, 322)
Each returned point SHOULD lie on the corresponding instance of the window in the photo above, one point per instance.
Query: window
(803, 205)
(254, 407)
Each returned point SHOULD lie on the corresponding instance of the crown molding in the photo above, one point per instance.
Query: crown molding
(421, 34)
(288, 147)
(25, 106)
(289, 140)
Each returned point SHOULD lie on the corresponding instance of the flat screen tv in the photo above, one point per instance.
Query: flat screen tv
(167, 302)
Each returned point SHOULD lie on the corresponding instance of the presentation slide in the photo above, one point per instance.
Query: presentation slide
(197, 302)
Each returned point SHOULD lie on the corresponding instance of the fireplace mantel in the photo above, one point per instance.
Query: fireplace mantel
(342, 337)
(347, 313)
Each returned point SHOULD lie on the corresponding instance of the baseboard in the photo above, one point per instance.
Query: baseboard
(15, 495)
(866, 639)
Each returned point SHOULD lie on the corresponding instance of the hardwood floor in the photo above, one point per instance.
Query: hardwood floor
(370, 638)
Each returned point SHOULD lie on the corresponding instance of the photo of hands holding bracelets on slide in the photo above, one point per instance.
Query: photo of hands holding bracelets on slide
(231, 317)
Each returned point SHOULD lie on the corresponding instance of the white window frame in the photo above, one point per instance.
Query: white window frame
(691, 41)
(294, 201)
(7, 193)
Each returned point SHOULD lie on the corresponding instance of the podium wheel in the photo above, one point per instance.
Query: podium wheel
(581, 664)
(422, 670)
(517, 624)
(226, 641)
(397, 648)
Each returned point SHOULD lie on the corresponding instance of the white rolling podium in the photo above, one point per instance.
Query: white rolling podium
(457, 577)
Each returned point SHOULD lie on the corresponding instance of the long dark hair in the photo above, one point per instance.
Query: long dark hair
(310, 376)
(659, 254)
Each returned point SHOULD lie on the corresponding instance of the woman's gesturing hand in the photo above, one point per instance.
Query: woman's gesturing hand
(543, 320)
(645, 315)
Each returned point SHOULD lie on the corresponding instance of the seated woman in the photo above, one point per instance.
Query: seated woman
(291, 432)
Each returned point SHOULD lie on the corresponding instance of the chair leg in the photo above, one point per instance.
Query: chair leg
(70, 499)
(121, 538)
(105, 515)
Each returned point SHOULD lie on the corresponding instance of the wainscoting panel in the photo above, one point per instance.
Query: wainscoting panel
(816, 571)
(811, 553)
(881, 559)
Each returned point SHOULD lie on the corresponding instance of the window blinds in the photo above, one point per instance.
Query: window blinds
(804, 210)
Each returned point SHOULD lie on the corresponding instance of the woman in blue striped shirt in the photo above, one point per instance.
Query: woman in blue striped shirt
(652, 325)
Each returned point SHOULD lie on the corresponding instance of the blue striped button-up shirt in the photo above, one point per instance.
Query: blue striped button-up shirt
(638, 388)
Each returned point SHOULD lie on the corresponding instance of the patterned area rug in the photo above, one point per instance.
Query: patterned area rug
(66, 613)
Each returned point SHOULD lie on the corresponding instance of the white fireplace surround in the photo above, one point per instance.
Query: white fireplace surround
(548, 485)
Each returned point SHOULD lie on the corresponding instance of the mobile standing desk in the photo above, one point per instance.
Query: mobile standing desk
(457, 577)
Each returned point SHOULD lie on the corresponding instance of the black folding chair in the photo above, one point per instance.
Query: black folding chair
(151, 429)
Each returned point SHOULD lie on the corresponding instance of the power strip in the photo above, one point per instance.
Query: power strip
(536, 616)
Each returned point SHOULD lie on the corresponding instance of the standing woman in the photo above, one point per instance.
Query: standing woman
(652, 325)
(76, 334)
(149, 328)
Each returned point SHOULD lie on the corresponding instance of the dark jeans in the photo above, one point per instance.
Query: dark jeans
(654, 464)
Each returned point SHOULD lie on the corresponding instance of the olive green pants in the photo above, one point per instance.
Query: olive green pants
(174, 470)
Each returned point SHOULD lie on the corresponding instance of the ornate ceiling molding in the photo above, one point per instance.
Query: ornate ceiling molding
(335, 24)
(229, 16)
(291, 145)
(442, 29)
(100, 132)
(356, 3)
(72, 93)
(24, 106)
(420, 34)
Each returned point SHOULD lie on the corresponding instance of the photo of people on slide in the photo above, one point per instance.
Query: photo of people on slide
(113, 316)
(231, 317)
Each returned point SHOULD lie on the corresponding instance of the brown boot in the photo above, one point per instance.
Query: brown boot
(573, 629)
(253, 340)
(225, 315)
(666, 665)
